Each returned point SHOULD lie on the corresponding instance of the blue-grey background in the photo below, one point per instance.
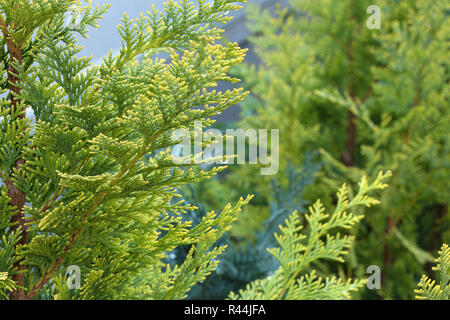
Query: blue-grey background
(107, 38)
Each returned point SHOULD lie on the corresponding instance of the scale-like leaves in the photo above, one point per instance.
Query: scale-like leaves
(428, 289)
(96, 168)
(298, 250)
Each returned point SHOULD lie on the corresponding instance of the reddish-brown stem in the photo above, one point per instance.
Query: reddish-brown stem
(349, 156)
(55, 266)
(16, 195)
(50, 202)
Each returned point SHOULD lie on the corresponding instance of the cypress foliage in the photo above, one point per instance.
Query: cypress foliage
(369, 100)
(300, 250)
(297, 263)
(92, 183)
(247, 258)
(428, 290)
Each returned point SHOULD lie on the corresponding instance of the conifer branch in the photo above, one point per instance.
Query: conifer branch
(428, 289)
(94, 125)
(299, 249)
(47, 276)
(17, 196)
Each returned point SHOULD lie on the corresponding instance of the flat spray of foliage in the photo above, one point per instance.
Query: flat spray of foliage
(299, 250)
(428, 289)
(92, 183)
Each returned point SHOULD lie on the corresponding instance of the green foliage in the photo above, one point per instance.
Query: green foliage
(96, 170)
(299, 250)
(92, 182)
(246, 258)
(370, 101)
(6, 284)
(427, 288)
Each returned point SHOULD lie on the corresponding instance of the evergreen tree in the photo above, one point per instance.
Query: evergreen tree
(91, 184)
(370, 100)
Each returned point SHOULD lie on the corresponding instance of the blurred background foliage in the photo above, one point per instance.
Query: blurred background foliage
(349, 101)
